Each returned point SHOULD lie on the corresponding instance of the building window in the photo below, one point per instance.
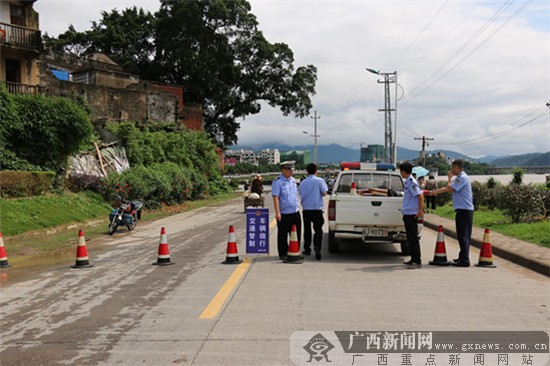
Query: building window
(13, 71)
(17, 15)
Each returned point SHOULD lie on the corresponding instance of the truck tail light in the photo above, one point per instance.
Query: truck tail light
(332, 210)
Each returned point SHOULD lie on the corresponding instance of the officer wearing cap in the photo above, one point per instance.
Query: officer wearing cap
(285, 199)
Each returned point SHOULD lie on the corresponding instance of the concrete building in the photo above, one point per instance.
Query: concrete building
(372, 154)
(262, 157)
(112, 93)
(20, 46)
(269, 156)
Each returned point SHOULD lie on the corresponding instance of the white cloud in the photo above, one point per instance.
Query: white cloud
(507, 77)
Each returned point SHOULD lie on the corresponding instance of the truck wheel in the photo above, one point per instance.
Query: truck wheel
(333, 244)
(405, 248)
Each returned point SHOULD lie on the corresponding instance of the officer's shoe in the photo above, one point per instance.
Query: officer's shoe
(408, 263)
(414, 265)
(306, 252)
(461, 264)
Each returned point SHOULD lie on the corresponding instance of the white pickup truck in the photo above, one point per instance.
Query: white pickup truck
(371, 212)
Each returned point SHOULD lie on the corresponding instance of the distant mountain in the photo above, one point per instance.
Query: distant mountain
(534, 159)
(489, 158)
(335, 153)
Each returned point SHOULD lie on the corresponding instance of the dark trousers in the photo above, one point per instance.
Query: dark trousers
(431, 201)
(464, 220)
(283, 231)
(411, 227)
(316, 218)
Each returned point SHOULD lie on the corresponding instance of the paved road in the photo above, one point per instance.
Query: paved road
(124, 311)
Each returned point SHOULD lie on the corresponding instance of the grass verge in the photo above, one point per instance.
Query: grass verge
(534, 232)
(52, 228)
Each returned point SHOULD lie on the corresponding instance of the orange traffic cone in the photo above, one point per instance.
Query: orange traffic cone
(81, 253)
(231, 256)
(486, 253)
(440, 255)
(164, 253)
(293, 255)
(3, 255)
(353, 190)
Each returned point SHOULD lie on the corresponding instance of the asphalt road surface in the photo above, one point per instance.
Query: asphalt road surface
(125, 311)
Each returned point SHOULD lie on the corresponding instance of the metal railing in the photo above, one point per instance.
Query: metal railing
(20, 37)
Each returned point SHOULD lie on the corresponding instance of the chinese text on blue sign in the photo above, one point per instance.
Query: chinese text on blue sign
(257, 231)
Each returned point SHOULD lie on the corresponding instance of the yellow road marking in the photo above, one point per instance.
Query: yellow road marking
(217, 302)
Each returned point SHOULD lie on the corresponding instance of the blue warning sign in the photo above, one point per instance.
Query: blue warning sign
(257, 231)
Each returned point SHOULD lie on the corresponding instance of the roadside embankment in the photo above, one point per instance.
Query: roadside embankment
(529, 255)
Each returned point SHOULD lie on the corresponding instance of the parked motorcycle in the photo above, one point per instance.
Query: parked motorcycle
(128, 213)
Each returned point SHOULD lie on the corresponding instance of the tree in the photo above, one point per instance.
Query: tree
(214, 49)
(126, 36)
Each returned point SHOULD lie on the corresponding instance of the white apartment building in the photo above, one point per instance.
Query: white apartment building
(265, 156)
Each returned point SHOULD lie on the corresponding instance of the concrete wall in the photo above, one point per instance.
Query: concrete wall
(31, 16)
(30, 71)
(4, 12)
(115, 104)
(107, 78)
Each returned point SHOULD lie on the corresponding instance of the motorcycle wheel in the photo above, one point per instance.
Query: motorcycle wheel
(132, 226)
(113, 227)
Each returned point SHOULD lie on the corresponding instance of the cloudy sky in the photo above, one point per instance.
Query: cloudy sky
(474, 74)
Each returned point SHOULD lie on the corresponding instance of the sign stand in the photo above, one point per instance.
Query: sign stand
(257, 231)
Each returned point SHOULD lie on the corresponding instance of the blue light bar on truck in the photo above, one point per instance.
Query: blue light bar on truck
(352, 165)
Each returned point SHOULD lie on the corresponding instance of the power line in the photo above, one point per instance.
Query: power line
(469, 54)
(406, 49)
(445, 36)
(504, 131)
(461, 49)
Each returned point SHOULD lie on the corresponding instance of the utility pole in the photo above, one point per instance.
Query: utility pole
(315, 117)
(423, 152)
(390, 142)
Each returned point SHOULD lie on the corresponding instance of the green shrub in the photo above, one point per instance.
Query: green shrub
(234, 183)
(218, 185)
(546, 201)
(492, 183)
(21, 184)
(140, 183)
(39, 131)
(51, 130)
(187, 148)
(518, 176)
(521, 203)
(484, 195)
(160, 183)
(443, 198)
(181, 182)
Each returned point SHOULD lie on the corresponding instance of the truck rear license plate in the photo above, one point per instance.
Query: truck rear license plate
(375, 231)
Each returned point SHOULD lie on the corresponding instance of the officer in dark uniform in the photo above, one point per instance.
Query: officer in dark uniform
(285, 199)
